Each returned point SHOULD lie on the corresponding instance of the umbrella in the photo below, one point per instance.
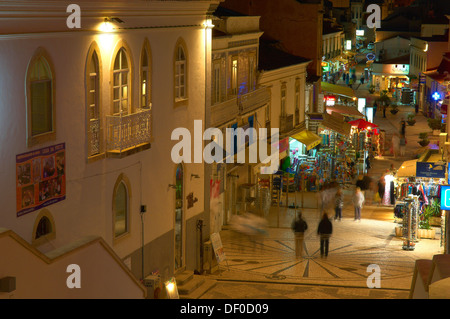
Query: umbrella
(362, 124)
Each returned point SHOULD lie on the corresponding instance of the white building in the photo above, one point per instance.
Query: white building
(102, 100)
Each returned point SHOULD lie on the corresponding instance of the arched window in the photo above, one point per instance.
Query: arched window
(121, 80)
(40, 104)
(93, 103)
(180, 73)
(121, 207)
(44, 228)
(145, 78)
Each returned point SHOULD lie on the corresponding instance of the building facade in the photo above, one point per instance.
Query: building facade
(88, 141)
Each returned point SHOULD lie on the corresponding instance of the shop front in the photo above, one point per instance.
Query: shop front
(416, 194)
(393, 78)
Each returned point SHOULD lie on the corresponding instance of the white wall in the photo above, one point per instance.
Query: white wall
(87, 209)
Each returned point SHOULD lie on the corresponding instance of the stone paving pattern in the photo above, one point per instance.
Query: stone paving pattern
(267, 268)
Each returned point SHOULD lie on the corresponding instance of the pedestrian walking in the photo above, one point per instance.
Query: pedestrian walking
(324, 230)
(339, 203)
(362, 79)
(358, 202)
(299, 226)
(381, 188)
(375, 105)
(384, 110)
(403, 127)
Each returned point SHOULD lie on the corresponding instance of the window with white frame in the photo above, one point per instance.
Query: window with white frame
(121, 77)
(180, 74)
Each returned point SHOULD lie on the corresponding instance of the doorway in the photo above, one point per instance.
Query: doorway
(179, 217)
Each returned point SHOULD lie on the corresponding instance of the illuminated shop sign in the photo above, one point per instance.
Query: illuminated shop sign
(400, 68)
(360, 33)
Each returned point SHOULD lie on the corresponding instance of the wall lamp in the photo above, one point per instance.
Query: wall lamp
(172, 186)
(194, 176)
(107, 25)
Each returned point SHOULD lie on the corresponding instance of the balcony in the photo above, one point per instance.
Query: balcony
(286, 123)
(228, 111)
(253, 100)
(128, 134)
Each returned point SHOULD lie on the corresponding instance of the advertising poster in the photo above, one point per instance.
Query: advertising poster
(432, 170)
(40, 178)
(217, 247)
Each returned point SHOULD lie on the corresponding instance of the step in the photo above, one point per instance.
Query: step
(201, 290)
(184, 277)
(191, 285)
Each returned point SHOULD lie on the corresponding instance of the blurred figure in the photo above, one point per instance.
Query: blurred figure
(299, 226)
(358, 201)
(249, 225)
(339, 203)
(402, 144)
(395, 144)
(324, 230)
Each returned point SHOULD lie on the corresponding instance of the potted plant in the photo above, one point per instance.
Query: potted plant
(372, 89)
(425, 230)
(423, 139)
(411, 119)
(435, 218)
(394, 109)
(385, 101)
(435, 125)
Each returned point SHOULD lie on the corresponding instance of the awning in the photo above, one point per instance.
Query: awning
(308, 138)
(336, 124)
(338, 89)
(345, 110)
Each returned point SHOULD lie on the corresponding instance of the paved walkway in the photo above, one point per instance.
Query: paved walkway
(267, 268)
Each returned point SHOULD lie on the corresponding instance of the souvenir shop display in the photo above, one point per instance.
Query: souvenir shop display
(410, 222)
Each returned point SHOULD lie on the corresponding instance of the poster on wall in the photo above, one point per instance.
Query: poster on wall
(40, 178)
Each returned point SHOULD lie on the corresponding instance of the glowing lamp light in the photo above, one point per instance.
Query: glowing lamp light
(208, 24)
(171, 289)
(436, 96)
(106, 26)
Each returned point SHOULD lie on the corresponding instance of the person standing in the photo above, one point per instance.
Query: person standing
(324, 230)
(375, 105)
(339, 203)
(402, 127)
(299, 226)
(358, 201)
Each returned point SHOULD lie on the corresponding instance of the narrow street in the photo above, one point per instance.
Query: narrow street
(267, 269)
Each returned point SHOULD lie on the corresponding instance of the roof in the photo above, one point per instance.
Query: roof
(338, 89)
(272, 58)
(224, 12)
(345, 110)
(405, 59)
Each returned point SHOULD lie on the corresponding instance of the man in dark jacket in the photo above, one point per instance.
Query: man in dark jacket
(325, 230)
(299, 226)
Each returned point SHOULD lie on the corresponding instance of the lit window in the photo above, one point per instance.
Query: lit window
(145, 79)
(234, 76)
(121, 76)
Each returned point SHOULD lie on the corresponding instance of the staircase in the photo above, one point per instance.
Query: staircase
(192, 286)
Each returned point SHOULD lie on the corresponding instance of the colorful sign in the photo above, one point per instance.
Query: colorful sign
(427, 169)
(40, 178)
(445, 197)
(217, 247)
